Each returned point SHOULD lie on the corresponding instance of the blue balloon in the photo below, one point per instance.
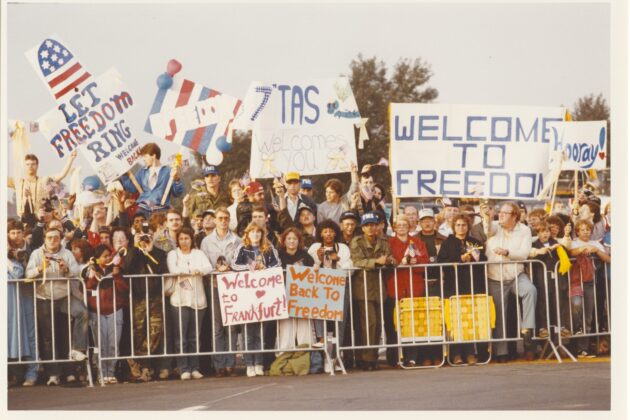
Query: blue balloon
(223, 145)
(164, 81)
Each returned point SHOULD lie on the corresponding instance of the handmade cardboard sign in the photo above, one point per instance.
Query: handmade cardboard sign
(315, 294)
(304, 126)
(583, 145)
(91, 112)
(471, 150)
(252, 296)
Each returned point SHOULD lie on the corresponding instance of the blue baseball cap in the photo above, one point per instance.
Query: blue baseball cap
(210, 170)
(368, 218)
(307, 184)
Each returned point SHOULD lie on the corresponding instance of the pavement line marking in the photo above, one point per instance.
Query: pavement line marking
(194, 408)
(207, 404)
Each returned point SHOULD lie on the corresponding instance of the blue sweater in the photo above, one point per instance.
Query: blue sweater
(150, 199)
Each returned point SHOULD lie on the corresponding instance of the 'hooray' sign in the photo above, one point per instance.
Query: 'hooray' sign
(252, 296)
(583, 145)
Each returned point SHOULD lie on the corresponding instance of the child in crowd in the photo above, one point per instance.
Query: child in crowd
(102, 273)
(545, 249)
(582, 276)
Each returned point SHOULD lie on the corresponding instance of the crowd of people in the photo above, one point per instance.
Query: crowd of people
(121, 242)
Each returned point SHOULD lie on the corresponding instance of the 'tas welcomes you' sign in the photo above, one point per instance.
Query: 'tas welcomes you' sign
(252, 296)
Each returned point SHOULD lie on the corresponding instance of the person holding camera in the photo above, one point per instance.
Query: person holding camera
(52, 261)
(370, 253)
(143, 258)
(329, 252)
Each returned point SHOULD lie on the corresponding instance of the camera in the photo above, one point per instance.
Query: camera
(145, 227)
(47, 205)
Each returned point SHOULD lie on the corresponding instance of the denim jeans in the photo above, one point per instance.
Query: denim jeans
(110, 332)
(224, 338)
(186, 327)
(500, 292)
(22, 344)
(253, 342)
(582, 310)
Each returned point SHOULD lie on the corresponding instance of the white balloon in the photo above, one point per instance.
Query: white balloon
(214, 156)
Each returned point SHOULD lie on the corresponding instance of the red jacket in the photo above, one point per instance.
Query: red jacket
(106, 293)
(399, 248)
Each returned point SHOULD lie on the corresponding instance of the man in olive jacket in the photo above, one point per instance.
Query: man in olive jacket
(369, 253)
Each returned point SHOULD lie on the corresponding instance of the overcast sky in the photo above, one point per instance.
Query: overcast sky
(494, 54)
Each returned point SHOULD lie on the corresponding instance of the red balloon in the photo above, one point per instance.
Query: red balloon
(173, 67)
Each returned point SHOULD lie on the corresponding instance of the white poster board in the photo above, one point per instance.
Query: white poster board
(303, 126)
(471, 150)
(252, 296)
(583, 145)
(91, 113)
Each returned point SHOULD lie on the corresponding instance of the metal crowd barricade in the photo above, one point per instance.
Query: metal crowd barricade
(478, 333)
(477, 306)
(566, 304)
(209, 313)
(27, 289)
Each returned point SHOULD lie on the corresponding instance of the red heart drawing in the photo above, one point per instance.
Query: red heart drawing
(602, 155)
(260, 293)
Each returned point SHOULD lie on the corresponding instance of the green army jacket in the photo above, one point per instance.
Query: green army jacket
(364, 257)
(203, 200)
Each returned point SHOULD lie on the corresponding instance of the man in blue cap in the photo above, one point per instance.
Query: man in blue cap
(306, 188)
(211, 196)
(370, 253)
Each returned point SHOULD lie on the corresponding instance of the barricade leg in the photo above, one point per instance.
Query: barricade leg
(499, 294)
(269, 342)
(390, 333)
(163, 341)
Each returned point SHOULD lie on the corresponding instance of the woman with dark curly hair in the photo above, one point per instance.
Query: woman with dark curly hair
(460, 248)
(329, 252)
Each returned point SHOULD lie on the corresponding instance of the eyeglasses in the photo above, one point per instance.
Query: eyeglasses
(51, 237)
(223, 218)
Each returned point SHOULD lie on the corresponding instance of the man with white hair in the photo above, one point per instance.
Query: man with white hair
(510, 241)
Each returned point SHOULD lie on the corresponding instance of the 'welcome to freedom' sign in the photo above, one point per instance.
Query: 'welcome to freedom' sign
(471, 150)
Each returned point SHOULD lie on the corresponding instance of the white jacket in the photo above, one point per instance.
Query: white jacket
(187, 290)
(518, 242)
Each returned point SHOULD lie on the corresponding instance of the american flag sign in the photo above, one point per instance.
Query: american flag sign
(61, 70)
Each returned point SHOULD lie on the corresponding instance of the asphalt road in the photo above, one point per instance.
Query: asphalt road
(513, 386)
